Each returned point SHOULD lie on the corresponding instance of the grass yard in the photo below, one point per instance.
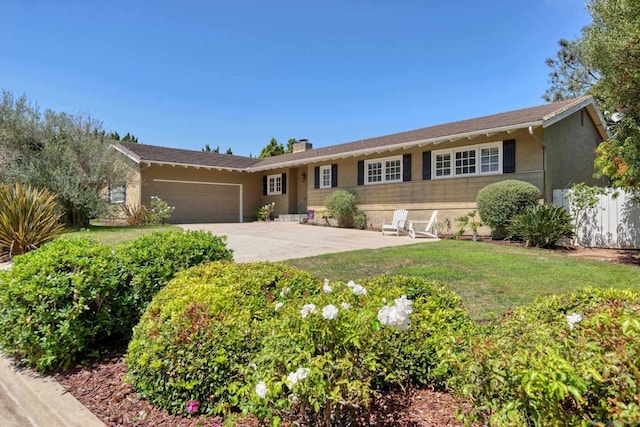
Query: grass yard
(489, 278)
(115, 234)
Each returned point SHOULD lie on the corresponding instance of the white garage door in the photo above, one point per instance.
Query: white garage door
(200, 202)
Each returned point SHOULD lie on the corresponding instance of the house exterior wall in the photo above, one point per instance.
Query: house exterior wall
(251, 184)
(569, 153)
(452, 197)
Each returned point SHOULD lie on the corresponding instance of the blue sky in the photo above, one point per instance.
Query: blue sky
(237, 73)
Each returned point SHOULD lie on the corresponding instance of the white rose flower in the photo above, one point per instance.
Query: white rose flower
(279, 306)
(345, 305)
(572, 319)
(330, 312)
(292, 379)
(359, 290)
(302, 373)
(307, 309)
(397, 315)
(326, 287)
(284, 291)
(351, 284)
(253, 366)
(261, 390)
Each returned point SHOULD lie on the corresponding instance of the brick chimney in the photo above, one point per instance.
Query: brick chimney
(302, 145)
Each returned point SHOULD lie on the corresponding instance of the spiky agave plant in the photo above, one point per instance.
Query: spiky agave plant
(28, 218)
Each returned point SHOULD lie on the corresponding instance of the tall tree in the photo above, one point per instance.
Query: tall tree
(66, 154)
(208, 149)
(290, 143)
(612, 46)
(272, 149)
(570, 76)
(228, 151)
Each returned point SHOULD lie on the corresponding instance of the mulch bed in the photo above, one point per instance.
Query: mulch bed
(100, 388)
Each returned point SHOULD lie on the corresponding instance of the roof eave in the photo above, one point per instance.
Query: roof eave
(392, 147)
(193, 165)
(591, 108)
(126, 152)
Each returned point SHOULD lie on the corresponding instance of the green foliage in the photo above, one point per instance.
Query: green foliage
(501, 201)
(342, 205)
(542, 225)
(160, 211)
(200, 332)
(583, 198)
(347, 361)
(28, 218)
(65, 154)
(263, 213)
(150, 261)
(135, 214)
(360, 220)
(58, 302)
(571, 77)
(564, 360)
(468, 221)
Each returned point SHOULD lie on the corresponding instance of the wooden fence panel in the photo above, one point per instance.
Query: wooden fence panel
(614, 223)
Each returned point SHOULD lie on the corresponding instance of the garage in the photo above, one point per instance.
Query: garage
(200, 202)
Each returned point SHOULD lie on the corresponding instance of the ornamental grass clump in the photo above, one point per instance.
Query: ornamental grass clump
(199, 334)
(328, 355)
(563, 360)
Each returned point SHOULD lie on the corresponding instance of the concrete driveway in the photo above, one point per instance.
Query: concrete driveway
(278, 241)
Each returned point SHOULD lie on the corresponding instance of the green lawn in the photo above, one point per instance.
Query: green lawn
(115, 234)
(489, 278)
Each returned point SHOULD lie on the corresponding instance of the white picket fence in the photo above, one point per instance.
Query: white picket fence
(614, 223)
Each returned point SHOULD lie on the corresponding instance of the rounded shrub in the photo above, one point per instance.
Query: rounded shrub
(150, 261)
(58, 302)
(563, 360)
(330, 354)
(541, 225)
(343, 206)
(499, 202)
(199, 334)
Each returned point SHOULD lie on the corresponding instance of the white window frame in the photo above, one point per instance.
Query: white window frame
(120, 190)
(277, 183)
(478, 160)
(324, 169)
(384, 164)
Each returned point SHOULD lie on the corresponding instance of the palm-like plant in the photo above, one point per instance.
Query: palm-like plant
(28, 218)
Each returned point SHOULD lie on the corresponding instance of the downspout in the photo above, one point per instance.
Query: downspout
(544, 161)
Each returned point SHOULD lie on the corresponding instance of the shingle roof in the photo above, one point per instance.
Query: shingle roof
(178, 156)
(540, 115)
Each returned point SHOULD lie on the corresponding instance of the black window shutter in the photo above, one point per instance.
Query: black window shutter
(334, 175)
(509, 156)
(284, 183)
(264, 185)
(406, 167)
(316, 177)
(426, 165)
(360, 172)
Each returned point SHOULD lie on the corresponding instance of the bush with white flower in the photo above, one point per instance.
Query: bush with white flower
(197, 338)
(329, 354)
(564, 360)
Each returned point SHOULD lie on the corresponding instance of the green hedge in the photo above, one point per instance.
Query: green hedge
(499, 202)
(564, 360)
(59, 303)
(218, 331)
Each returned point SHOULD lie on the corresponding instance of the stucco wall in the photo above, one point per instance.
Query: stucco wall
(569, 153)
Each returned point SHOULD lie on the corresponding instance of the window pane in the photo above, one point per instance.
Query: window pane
(465, 162)
(325, 178)
(443, 164)
(374, 172)
(117, 193)
(489, 160)
(392, 170)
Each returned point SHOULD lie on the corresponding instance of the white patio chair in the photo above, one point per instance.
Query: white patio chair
(397, 223)
(430, 230)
